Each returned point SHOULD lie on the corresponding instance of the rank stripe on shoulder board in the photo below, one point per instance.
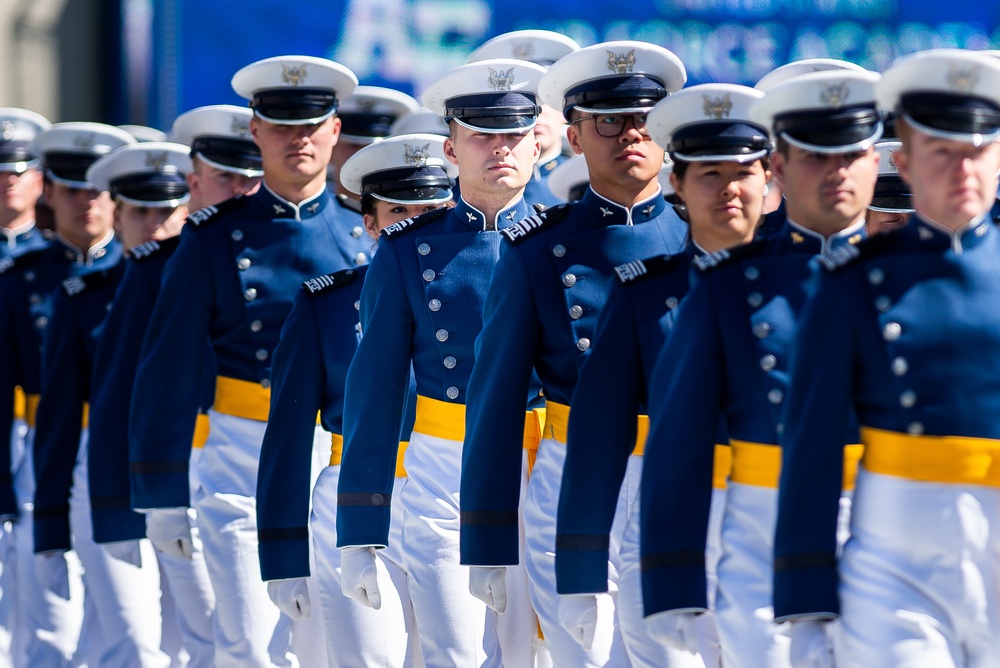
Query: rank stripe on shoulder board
(325, 282)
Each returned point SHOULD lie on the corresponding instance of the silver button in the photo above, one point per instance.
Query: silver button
(876, 276)
(434, 304)
(34, 298)
(357, 306)
(775, 396)
(761, 330)
(569, 280)
(899, 366)
(583, 343)
(883, 303)
(378, 500)
(29, 276)
(981, 230)
(243, 264)
(891, 331)
(256, 326)
(751, 273)
(423, 249)
(357, 327)
(575, 311)
(441, 335)
(261, 354)
(779, 428)
(356, 231)
(360, 259)
(755, 299)
(558, 250)
(41, 322)
(429, 275)
(915, 428)
(107, 307)
(237, 235)
(451, 392)
(768, 362)
(908, 399)
(250, 294)
(672, 302)
(265, 383)
(450, 362)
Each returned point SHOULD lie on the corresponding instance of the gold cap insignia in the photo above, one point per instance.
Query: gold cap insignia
(240, 126)
(797, 238)
(892, 163)
(294, 76)
(500, 81)
(835, 94)
(7, 130)
(717, 107)
(416, 156)
(85, 141)
(962, 79)
(524, 50)
(621, 62)
(157, 161)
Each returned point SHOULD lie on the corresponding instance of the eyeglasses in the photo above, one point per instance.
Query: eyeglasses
(612, 125)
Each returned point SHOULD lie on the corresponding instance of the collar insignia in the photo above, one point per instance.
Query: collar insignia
(312, 207)
(854, 238)
(509, 215)
(797, 238)
(605, 211)
(472, 216)
(278, 209)
(925, 234)
(649, 209)
(621, 62)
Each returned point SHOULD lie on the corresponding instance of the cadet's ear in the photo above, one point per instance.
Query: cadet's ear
(449, 150)
(778, 168)
(573, 134)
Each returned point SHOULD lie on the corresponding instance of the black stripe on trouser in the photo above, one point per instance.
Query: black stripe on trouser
(287, 533)
(800, 561)
(363, 499)
(489, 517)
(673, 560)
(582, 542)
(51, 511)
(110, 502)
(158, 467)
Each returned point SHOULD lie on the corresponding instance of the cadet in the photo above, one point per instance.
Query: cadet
(892, 202)
(553, 276)
(20, 179)
(903, 329)
(728, 354)
(397, 178)
(422, 305)
(720, 166)
(542, 47)
(231, 281)
(50, 590)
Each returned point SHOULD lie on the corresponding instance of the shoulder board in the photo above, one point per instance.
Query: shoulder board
(76, 285)
(210, 213)
(143, 251)
(846, 254)
(413, 223)
(631, 272)
(729, 255)
(538, 207)
(520, 231)
(315, 286)
(8, 263)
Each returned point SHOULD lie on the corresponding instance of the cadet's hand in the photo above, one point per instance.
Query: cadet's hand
(126, 550)
(169, 530)
(291, 596)
(359, 576)
(578, 615)
(489, 585)
(679, 629)
(812, 643)
(53, 573)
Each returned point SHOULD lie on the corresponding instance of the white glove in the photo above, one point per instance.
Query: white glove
(169, 530)
(812, 643)
(578, 615)
(359, 576)
(489, 585)
(52, 572)
(291, 596)
(126, 550)
(679, 629)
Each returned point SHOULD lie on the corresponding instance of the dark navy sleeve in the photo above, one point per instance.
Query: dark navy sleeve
(8, 380)
(168, 381)
(676, 487)
(377, 384)
(65, 378)
(812, 463)
(491, 457)
(600, 438)
(297, 380)
(117, 357)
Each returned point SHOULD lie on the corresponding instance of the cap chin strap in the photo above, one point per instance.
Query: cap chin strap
(743, 158)
(249, 173)
(496, 131)
(161, 204)
(862, 145)
(295, 121)
(974, 138)
(69, 183)
(408, 202)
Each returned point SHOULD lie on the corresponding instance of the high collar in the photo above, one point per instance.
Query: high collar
(612, 213)
(931, 235)
(90, 255)
(476, 219)
(279, 207)
(545, 166)
(804, 240)
(19, 233)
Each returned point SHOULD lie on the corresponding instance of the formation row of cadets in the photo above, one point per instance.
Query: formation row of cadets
(415, 315)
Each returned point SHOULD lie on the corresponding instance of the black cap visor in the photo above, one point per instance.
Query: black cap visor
(296, 106)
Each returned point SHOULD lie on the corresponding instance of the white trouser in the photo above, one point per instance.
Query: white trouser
(126, 597)
(642, 649)
(540, 507)
(11, 640)
(356, 635)
(920, 575)
(459, 629)
(249, 630)
(48, 626)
